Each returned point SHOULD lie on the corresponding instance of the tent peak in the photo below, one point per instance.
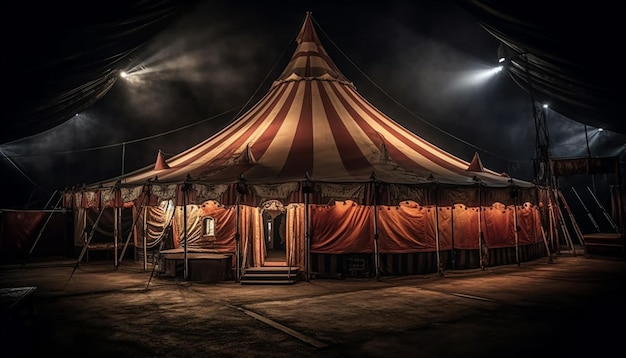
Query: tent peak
(310, 60)
(160, 163)
(476, 165)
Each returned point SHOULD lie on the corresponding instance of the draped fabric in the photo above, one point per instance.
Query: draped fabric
(445, 228)
(152, 224)
(340, 228)
(225, 226)
(465, 221)
(498, 226)
(253, 219)
(43, 232)
(295, 236)
(529, 223)
(100, 223)
(80, 222)
(407, 227)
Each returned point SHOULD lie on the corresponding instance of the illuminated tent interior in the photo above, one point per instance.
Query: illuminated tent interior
(317, 173)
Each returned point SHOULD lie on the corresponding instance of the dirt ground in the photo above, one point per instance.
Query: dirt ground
(574, 306)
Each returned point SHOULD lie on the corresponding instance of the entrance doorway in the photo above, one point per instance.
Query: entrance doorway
(274, 233)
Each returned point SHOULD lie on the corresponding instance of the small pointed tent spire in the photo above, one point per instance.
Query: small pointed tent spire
(310, 59)
(160, 163)
(476, 165)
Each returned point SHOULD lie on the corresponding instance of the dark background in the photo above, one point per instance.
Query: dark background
(69, 119)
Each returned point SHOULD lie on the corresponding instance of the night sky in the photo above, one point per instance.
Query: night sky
(414, 61)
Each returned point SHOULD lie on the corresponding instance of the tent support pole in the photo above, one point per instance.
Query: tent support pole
(89, 237)
(129, 236)
(44, 225)
(237, 242)
(437, 241)
(606, 214)
(579, 234)
(552, 231)
(145, 238)
(186, 275)
(307, 239)
(482, 249)
(566, 234)
(516, 232)
(555, 222)
(155, 259)
(545, 241)
(376, 250)
(116, 233)
(593, 221)
(452, 235)
(50, 200)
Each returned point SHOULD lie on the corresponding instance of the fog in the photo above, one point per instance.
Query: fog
(416, 64)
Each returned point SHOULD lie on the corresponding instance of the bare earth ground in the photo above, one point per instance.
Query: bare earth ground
(574, 306)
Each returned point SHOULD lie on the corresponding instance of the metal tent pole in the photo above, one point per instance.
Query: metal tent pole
(376, 250)
(44, 225)
(130, 233)
(566, 234)
(606, 215)
(437, 241)
(545, 240)
(92, 230)
(237, 242)
(452, 235)
(481, 240)
(516, 233)
(50, 200)
(145, 238)
(89, 237)
(186, 274)
(307, 239)
(116, 233)
(574, 223)
(593, 221)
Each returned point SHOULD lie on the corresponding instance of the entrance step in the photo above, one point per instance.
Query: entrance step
(270, 275)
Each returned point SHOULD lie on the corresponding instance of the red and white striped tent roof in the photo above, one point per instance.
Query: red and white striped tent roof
(313, 123)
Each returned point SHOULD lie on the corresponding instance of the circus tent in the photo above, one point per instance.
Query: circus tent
(344, 178)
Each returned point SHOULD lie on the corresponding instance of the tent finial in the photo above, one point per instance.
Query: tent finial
(160, 163)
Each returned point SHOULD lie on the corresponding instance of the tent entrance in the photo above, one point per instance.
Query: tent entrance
(274, 235)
